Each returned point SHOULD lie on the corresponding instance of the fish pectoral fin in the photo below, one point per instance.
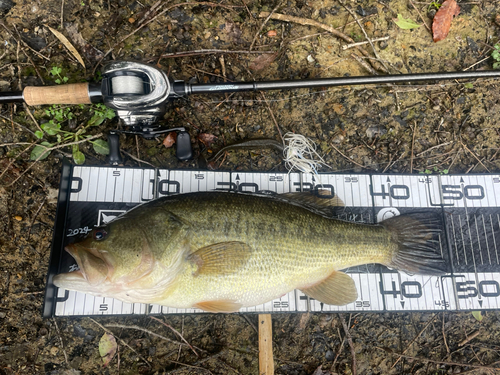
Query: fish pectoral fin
(337, 289)
(221, 258)
(223, 306)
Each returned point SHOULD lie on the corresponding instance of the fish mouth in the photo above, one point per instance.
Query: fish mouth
(93, 268)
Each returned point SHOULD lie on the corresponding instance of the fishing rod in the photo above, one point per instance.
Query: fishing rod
(139, 94)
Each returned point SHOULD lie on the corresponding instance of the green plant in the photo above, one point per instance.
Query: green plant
(435, 170)
(495, 54)
(56, 73)
(434, 4)
(58, 116)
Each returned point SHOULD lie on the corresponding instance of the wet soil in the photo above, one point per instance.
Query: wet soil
(445, 127)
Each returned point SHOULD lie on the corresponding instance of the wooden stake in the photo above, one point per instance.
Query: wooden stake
(266, 362)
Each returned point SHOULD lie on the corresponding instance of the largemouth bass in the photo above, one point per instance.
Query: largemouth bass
(222, 251)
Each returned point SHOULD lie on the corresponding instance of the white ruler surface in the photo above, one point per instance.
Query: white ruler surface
(470, 205)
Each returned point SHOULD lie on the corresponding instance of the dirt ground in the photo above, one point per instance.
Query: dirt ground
(445, 127)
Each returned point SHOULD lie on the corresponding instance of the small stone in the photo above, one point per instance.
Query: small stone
(54, 350)
(330, 355)
(310, 59)
(2, 315)
(373, 131)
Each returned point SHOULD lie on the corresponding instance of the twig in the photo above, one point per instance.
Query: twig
(185, 364)
(444, 337)
(250, 322)
(26, 45)
(272, 116)
(473, 154)
(469, 338)
(27, 110)
(433, 147)
(147, 331)
(61, 340)
(62, 14)
(176, 332)
(351, 345)
(22, 152)
(415, 339)
(422, 18)
(48, 149)
(412, 145)
(248, 10)
(263, 24)
(352, 161)
(347, 46)
(443, 362)
(479, 62)
(18, 124)
(364, 32)
(338, 351)
(208, 52)
(122, 341)
(194, 3)
(363, 64)
(335, 32)
(35, 215)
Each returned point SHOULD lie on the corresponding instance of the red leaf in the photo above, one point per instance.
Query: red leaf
(442, 20)
(207, 139)
(170, 139)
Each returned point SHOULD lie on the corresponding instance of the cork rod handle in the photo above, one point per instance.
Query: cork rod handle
(76, 93)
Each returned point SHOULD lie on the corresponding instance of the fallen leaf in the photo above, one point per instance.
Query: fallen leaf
(406, 24)
(107, 348)
(89, 51)
(233, 31)
(478, 315)
(262, 61)
(68, 45)
(442, 20)
(170, 139)
(207, 139)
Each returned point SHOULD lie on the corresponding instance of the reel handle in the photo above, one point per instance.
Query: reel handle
(115, 158)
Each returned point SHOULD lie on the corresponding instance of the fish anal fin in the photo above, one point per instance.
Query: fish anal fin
(337, 289)
(223, 306)
(220, 258)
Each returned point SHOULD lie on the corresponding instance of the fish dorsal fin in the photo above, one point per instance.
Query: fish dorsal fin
(220, 258)
(337, 289)
(222, 306)
(319, 200)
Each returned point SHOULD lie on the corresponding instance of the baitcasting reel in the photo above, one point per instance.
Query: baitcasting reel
(139, 93)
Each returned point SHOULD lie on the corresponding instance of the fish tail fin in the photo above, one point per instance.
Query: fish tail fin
(416, 236)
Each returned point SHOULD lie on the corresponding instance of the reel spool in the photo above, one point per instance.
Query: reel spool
(139, 94)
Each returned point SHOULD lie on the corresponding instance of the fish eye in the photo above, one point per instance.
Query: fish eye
(100, 234)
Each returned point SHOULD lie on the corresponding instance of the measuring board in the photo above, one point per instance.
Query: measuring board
(469, 206)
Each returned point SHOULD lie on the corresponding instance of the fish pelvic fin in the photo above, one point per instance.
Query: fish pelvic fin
(416, 238)
(337, 289)
(222, 306)
(221, 258)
